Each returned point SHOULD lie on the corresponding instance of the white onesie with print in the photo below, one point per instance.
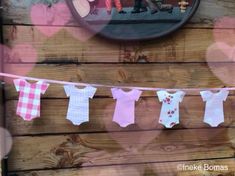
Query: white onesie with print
(170, 107)
(214, 113)
(78, 110)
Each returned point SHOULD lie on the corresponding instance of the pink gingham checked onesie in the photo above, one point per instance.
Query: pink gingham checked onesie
(29, 98)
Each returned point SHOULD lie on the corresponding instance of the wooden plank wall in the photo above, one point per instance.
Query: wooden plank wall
(1, 125)
(1, 99)
(52, 146)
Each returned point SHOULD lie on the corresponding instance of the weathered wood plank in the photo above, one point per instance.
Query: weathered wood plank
(186, 45)
(191, 75)
(151, 169)
(2, 126)
(53, 116)
(2, 113)
(61, 151)
(17, 12)
(62, 46)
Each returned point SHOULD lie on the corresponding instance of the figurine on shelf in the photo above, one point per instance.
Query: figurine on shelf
(183, 5)
(118, 5)
(140, 7)
(93, 4)
(162, 6)
(154, 5)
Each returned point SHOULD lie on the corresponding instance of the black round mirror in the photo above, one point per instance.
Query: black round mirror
(133, 19)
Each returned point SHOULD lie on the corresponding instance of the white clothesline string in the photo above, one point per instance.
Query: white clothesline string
(109, 86)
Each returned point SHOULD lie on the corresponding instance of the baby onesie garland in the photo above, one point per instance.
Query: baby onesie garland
(28, 107)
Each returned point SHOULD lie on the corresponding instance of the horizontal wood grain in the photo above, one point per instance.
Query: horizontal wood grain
(192, 75)
(150, 169)
(52, 146)
(17, 12)
(61, 151)
(186, 45)
(53, 116)
(62, 47)
(2, 125)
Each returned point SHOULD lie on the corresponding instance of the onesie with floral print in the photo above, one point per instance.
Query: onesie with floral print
(214, 112)
(169, 115)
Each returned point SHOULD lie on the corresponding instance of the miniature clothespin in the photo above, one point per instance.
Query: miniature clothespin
(183, 5)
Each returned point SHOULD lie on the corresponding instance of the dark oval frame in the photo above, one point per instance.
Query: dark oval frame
(158, 35)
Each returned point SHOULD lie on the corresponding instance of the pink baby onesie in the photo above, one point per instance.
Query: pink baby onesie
(214, 113)
(170, 107)
(29, 98)
(124, 113)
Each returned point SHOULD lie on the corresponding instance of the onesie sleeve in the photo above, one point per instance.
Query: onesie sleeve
(67, 89)
(205, 95)
(114, 93)
(161, 95)
(18, 84)
(225, 95)
(91, 91)
(44, 86)
(137, 94)
(181, 95)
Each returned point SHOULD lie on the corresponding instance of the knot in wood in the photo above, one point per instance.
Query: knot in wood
(122, 76)
(169, 148)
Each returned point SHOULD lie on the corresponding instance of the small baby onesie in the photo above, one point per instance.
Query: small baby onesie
(170, 107)
(78, 109)
(214, 112)
(29, 98)
(124, 113)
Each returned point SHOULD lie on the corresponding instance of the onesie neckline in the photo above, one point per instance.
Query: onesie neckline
(216, 93)
(172, 94)
(34, 83)
(127, 93)
(79, 89)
